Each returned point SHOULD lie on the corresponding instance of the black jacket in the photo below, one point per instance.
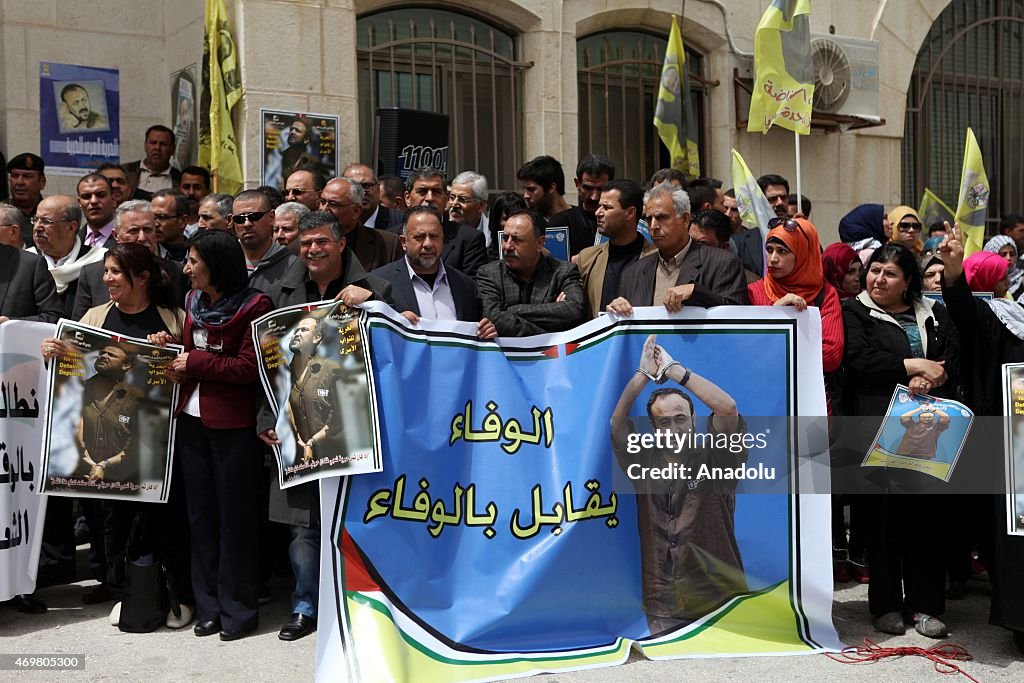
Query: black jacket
(463, 290)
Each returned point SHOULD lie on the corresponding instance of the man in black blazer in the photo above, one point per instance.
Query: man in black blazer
(684, 271)
(464, 248)
(133, 222)
(27, 292)
(375, 215)
(155, 171)
(422, 286)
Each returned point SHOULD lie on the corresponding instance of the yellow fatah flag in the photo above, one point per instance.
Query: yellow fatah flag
(218, 148)
(750, 200)
(784, 75)
(934, 211)
(972, 206)
(673, 115)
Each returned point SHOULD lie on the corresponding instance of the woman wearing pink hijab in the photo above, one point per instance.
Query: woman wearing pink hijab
(987, 272)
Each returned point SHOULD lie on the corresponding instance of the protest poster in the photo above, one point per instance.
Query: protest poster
(79, 118)
(293, 141)
(504, 538)
(921, 433)
(1013, 409)
(22, 404)
(183, 117)
(109, 427)
(315, 370)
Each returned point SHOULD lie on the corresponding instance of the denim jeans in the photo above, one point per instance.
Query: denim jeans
(304, 553)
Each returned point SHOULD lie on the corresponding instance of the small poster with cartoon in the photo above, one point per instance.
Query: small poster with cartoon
(921, 433)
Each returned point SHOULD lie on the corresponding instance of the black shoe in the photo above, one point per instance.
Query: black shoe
(97, 595)
(299, 626)
(206, 627)
(236, 635)
(26, 604)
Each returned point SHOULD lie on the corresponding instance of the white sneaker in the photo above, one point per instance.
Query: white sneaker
(180, 622)
(115, 615)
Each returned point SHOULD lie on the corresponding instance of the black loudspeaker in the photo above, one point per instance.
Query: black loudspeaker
(408, 139)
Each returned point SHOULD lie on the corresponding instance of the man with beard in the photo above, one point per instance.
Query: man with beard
(464, 248)
(108, 419)
(690, 561)
(421, 285)
(77, 112)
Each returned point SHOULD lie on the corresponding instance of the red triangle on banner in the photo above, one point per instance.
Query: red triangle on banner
(551, 352)
(571, 349)
(357, 578)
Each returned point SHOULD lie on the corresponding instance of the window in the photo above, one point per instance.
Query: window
(969, 72)
(454, 64)
(618, 76)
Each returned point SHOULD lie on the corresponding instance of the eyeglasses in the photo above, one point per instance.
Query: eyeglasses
(45, 222)
(296, 191)
(789, 225)
(910, 227)
(333, 204)
(459, 199)
(252, 216)
(368, 185)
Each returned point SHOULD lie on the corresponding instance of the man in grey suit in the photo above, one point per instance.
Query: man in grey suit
(529, 292)
(684, 271)
(422, 286)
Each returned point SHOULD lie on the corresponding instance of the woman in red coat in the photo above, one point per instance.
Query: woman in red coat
(795, 277)
(216, 444)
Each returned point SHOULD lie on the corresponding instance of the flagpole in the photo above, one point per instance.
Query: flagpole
(799, 193)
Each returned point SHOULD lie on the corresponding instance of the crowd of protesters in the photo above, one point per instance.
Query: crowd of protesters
(147, 250)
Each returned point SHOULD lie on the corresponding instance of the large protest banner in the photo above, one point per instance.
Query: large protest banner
(22, 402)
(315, 371)
(504, 537)
(109, 430)
(1013, 409)
(79, 118)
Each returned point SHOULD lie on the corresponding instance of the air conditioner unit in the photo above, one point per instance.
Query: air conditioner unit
(845, 76)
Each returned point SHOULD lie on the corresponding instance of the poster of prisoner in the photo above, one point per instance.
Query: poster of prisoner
(294, 141)
(561, 499)
(109, 427)
(315, 370)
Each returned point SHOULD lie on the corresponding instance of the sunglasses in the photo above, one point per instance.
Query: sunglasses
(252, 216)
(910, 227)
(789, 225)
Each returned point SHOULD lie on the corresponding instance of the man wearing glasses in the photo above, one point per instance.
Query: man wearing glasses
(304, 187)
(265, 259)
(170, 211)
(55, 232)
(374, 215)
(469, 203)
(343, 198)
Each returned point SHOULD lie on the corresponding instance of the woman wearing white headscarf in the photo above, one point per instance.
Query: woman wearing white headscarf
(1004, 246)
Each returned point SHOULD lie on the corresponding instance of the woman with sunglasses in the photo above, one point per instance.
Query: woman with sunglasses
(217, 448)
(990, 333)
(905, 227)
(895, 337)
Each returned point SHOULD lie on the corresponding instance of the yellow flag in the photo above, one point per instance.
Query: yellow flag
(750, 200)
(673, 115)
(784, 83)
(972, 206)
(934, 211)
(218, 148)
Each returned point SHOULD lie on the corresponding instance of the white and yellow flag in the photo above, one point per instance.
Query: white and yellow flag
(218, 147)
(750, 200)
(784, 75)
(972, 206)
(673, 114)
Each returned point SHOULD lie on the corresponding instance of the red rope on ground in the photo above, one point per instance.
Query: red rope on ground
(942, 656)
